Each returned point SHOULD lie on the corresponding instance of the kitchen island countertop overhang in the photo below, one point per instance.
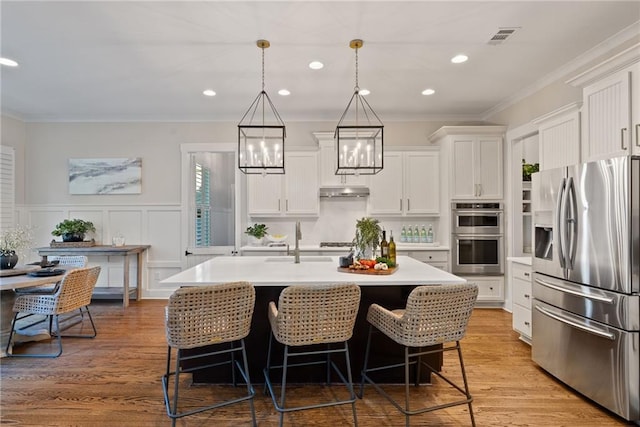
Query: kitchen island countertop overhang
(282, 271)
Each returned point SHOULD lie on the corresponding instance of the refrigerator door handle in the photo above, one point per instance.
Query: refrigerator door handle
(572, 223)
(575, 324)
(559, 288)
(559, 223)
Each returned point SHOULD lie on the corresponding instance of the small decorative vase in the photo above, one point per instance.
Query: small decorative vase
(72, 237)
(255, 241)
(8, 261)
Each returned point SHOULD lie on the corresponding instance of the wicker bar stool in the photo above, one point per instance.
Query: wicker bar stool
(204, 316)
(434, 316)
(74, 293)
(310, 316)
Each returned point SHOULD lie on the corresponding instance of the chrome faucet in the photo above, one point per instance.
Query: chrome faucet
(296, 252)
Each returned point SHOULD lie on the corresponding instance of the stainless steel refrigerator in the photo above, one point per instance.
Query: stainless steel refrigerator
(586, 312)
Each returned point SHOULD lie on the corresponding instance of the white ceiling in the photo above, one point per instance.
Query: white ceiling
(152, 60)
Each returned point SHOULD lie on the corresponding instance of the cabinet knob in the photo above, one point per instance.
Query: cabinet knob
(527, 323)
(526, 274)
(527, 296)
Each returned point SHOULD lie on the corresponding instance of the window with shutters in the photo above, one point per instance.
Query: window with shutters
(203, 205)
(7, 187)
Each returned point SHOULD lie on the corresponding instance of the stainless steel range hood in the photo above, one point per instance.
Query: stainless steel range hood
(355, 191)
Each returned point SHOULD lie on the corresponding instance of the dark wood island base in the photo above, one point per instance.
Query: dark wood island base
(383, 351)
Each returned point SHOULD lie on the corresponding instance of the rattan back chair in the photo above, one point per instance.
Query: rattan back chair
(74, 293)
(435, 315)
(203, 316)
(310, 316)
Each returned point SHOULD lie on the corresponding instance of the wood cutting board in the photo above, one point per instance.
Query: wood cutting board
(371, 271)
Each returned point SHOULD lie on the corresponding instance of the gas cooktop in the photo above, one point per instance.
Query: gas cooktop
(335, 244)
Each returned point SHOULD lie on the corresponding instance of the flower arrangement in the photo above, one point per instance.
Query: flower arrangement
(16, 240)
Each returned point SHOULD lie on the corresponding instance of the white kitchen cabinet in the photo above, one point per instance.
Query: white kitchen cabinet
(559, 137)
(490, 289)
(435, 258)
(475, 160)
(329, 163)
(611, 106)
(409, 184)
(520, 278)
(293, 194)
(477, 167)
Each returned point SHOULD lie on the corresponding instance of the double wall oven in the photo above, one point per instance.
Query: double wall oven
(477, 237)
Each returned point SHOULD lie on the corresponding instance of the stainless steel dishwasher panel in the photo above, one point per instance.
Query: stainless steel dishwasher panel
(597, 360)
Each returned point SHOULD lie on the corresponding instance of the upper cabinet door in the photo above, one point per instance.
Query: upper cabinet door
(422, 183)
(328, 165)
(463, 184)
(264, 195)
(386, 187)
(301, 184)
(488, 159)
(607, 120)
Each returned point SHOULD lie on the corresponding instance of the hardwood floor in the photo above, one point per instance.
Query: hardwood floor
(114, 380)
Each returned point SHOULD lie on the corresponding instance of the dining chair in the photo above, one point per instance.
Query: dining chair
(204, 316)
(78, 261)
(435, 315)
(307, 317)
(74, 293)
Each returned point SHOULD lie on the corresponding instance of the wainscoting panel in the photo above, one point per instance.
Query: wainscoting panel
(155, 225)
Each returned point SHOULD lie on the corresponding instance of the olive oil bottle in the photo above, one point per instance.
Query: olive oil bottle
(384, 245)
(392, 248)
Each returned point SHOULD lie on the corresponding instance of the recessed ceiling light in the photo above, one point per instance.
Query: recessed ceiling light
(8, 62)
(364, 92)
(428, 92)
(284, 92)
(459, 59)
(316, 65)
(209, 92)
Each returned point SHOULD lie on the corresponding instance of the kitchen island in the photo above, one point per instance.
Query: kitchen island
(270, 275)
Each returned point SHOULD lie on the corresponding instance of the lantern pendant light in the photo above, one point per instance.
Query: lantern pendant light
(261, 134)
(359, 134)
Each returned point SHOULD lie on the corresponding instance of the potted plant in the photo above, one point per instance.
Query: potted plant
(73, 230)
(257, 232)
(528, 169)
(367, 237)
(12, 242)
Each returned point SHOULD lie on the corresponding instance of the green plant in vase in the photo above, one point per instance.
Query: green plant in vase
(73, 230)
(257, 231)
(367, 237)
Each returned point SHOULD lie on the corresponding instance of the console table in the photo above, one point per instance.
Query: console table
(126, 252)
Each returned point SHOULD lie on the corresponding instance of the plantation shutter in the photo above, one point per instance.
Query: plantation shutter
(7, 187)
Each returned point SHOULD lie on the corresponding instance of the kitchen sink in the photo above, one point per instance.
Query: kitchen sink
(302, 259)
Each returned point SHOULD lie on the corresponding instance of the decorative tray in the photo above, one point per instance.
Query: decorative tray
(45, 272)
(371, 271)
(83, 244)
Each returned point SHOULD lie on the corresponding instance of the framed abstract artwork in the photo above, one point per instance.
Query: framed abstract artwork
(105, 176)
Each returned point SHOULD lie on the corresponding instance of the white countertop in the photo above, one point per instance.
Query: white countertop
(282, 271)
(343, 250)
(526, 260)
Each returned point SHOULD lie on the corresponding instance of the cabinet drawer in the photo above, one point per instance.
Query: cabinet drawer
(430, 256)
(489, 289)
(522, 320)
(521, 271)
(441, 265)
(522, 292)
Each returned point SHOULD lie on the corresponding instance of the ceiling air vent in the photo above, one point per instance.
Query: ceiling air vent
(502, 35)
